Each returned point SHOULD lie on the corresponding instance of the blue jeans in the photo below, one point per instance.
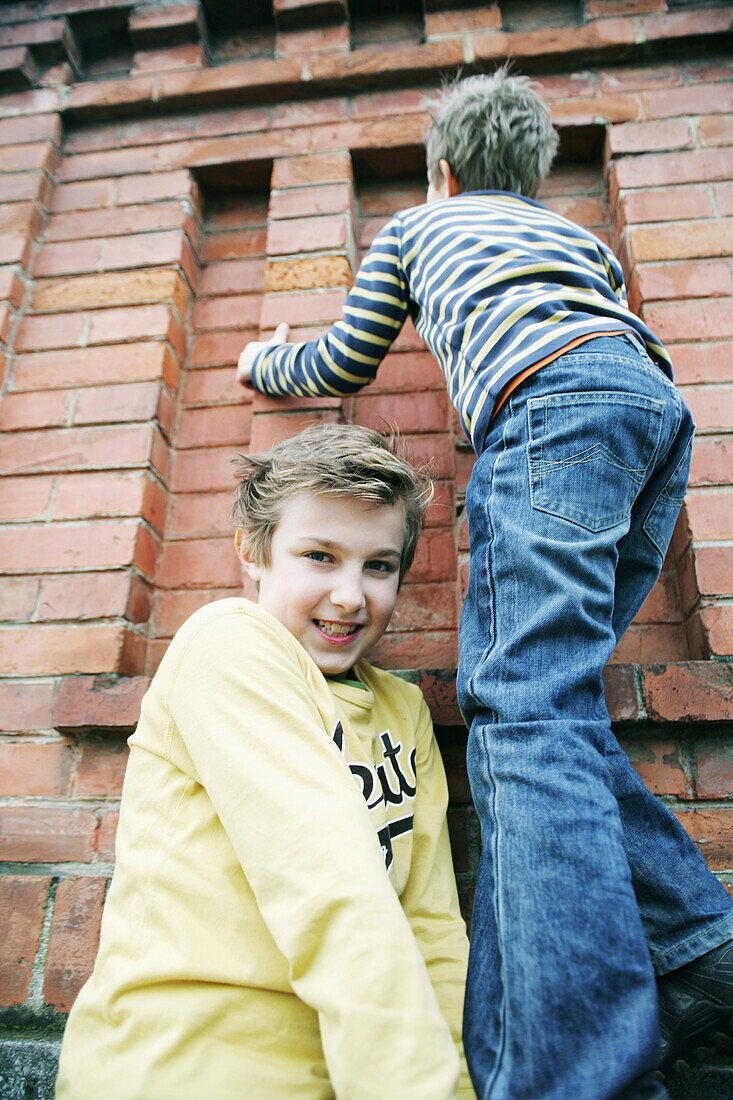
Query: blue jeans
(587, 884)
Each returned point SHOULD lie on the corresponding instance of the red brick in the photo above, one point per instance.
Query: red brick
(72, 946)
(219, 349)
(85, 366)
(174, 607)
(11, 287)
(302, 309)
(275, 426)
(711, 461)
(307, 234)
(647, 137)
(714, 768)
(658, 765)
(665, 205)
(32, 769)
(694, 691)
(140, 322)
(434, 649)
(38, 548)
(101, 770)
(307, 202)
(172, 58)
(15, 248)
(155, 186)
(681, 319)
(203, 471)
(710, 514)
(602, 8)
(61, 331)
(423, 412)
(97, 702)
(681, 241)
(84, 496)
(217, 426)
(25, 185)
(462, 21)
(117, 222)
(711, 406)
(76, 449)
(18, 597)
(716, 130)
(724, 197)
(22, 902)
(21, 411)
(703, 99)
(199, 562)
(150, 250)
(701, 279)
(662, 604)
(116, 404)
(712, 832)
(31, 128)
(25, 706)
(24, 497)
(312, 40)
(23, 158)
(233, 311)
(41, 650)
(426, 607)
(44, 834)
(234, 277)
(662, 169)
(647, 644)
(717, 624)
(700, 362)
(69, 258)
(84, 596)
(303, 170)
(106, 835)
(235, 245)
(91, 195)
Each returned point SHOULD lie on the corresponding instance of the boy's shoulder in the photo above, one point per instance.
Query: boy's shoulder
(226, 625)
(393, 688)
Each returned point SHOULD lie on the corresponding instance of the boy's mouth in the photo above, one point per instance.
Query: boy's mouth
(337, 630)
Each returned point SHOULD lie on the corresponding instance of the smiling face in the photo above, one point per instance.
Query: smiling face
(333, 576)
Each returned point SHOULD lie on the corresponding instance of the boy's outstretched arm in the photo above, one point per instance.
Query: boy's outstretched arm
(347, 356)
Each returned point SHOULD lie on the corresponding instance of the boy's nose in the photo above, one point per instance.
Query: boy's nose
(348, 591)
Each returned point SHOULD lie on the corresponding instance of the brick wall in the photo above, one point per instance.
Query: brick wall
(173, 181)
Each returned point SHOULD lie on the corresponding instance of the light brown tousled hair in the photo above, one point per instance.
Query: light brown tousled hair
(334, 460)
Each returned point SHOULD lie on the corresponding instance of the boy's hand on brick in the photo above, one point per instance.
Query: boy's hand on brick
(248, 355)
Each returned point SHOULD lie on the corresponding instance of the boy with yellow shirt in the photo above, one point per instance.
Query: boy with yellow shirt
(283, 920)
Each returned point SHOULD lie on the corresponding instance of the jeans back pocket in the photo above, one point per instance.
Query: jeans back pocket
(589, 454)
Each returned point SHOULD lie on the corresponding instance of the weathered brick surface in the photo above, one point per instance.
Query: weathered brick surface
(22, 902)
(72, 946)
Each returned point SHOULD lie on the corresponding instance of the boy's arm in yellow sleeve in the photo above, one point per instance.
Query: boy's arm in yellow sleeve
(430, 898)
(245, 700)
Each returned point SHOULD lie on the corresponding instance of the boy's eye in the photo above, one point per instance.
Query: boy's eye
(318, 555)
(378, 566)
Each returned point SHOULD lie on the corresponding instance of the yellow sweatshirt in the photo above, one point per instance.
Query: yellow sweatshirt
(282, 922)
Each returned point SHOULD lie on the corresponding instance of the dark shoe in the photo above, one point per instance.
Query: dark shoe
(696, 1008)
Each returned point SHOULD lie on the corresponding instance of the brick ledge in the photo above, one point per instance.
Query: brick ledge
(682, 692)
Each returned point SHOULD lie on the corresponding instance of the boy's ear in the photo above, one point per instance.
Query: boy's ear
(452, 185)
(251, 568)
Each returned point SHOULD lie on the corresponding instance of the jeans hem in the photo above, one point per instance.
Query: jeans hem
(691, 949)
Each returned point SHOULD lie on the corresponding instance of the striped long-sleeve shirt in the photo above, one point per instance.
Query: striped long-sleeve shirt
(495, 284)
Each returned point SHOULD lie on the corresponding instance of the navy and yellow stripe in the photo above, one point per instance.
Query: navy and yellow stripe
(495, 283)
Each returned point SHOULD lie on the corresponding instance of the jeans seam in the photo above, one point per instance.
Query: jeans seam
(660, 956)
